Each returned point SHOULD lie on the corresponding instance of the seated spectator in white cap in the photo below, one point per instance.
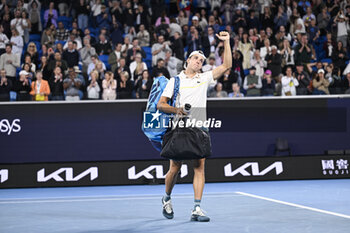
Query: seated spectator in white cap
(22, 86)
(72, 85)
(320, 84)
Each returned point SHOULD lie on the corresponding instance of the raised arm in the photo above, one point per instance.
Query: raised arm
(227, 64)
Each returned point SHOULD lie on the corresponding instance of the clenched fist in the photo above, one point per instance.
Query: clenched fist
(223, 35)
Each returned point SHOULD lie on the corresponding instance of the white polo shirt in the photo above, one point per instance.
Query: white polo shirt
(192, 91)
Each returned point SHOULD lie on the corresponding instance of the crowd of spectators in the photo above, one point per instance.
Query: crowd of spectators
(112, 49)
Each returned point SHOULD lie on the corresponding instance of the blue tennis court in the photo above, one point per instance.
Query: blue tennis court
(274, 206)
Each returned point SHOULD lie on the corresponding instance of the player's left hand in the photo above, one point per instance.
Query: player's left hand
(223, 35)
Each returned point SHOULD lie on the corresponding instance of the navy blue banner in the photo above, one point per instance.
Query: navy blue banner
(111, 131)
(154, 171)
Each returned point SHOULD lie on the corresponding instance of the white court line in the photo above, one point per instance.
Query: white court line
(109, 196)
(107, 199)
(294, 205)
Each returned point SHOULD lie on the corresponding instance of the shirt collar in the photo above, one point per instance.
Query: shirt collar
(183, 75)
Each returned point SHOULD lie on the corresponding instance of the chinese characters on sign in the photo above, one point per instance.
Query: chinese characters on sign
(340, 167)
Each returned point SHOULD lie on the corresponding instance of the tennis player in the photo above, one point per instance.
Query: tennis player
(193, 91)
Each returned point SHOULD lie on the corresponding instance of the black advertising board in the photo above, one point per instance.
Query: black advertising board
(153, 171)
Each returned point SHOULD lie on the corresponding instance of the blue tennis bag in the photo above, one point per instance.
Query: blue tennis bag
(156, 123)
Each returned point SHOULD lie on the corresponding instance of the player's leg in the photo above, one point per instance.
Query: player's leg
(199, 178)
(170, 180)
(171, 176)
(198, 186)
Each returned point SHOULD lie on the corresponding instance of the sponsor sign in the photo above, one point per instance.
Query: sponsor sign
(8, 126)
(154, 171)
(68, 171)
(4, 175)
(335, 167)
(255, 171)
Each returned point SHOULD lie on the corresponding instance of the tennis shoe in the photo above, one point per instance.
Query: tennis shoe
(199, 215)
(167, 209)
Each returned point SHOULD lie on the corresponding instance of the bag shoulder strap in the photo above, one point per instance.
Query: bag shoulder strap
(176, 90)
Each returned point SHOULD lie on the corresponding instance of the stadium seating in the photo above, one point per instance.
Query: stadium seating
(104, 59)
(67, 21)
(148, 59)
(34, 37)
(13, 96)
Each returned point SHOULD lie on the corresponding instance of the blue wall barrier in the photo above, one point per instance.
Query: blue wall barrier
(111, 131)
